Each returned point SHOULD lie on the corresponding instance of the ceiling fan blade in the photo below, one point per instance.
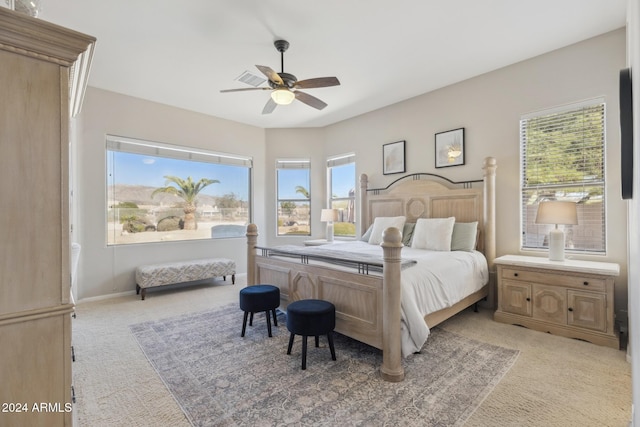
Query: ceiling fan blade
(312, 101)
(271, 75)
(269, 106)
(317, 82)
(244, 89)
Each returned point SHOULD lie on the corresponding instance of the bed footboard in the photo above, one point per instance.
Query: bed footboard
(367, 306)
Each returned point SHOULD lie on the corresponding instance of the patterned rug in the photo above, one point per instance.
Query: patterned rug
(221, 379)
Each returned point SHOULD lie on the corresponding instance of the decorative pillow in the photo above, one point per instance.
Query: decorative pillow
(407, 233)
(433, 234)
(367, 234)
(382, 223)
(464, 236)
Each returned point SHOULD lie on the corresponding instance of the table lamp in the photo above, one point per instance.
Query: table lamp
(555, 212)
(329, 216)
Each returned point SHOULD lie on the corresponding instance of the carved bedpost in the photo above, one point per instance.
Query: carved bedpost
(391, 369)
(252, 239)
(363, 209)
(489, 175)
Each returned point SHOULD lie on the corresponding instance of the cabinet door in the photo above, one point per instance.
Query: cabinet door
(550, 304)
(515, 298)
(587, 310)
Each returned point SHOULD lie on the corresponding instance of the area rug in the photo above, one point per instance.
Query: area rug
(221, 379)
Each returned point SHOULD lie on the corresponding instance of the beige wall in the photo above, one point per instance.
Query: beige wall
(307, 143)
(107, 270)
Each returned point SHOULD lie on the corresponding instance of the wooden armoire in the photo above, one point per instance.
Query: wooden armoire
(43, 72)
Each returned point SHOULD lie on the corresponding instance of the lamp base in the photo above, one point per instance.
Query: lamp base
(329, 232)
(556, 245)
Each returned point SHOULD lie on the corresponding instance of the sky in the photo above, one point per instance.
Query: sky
(138, 169)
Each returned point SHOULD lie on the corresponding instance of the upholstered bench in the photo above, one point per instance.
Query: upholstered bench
(154, 275)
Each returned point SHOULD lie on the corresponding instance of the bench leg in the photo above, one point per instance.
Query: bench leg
(137, 289)
(251, 319)
(233, 279)
(275, 321)
(317, 341)
(143, 293)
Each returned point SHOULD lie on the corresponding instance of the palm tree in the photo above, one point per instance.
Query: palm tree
(300, 189)
(188, 191)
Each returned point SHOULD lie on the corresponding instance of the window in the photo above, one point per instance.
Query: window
(563, 158)
(159, 192)
(294, 198)
(341, 173)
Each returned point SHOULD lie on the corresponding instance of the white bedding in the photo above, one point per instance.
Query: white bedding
(438, 280)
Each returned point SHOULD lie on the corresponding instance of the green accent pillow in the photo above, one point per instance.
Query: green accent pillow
(367, 234)
(464, 236)
(407, 233)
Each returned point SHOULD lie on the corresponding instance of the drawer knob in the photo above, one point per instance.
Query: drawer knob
(570, 309)
(515, 274)
(585, 283)
(528, 299)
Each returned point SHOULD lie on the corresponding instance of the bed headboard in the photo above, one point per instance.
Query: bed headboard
(424, 195)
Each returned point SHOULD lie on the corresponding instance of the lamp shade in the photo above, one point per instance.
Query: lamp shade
(555, 212)
(282, 96)
(329, 215)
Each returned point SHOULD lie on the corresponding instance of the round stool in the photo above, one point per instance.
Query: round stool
(258, 298)
(311, 317)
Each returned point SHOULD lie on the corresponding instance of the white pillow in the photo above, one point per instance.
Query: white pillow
(433, 234)
(382, 223)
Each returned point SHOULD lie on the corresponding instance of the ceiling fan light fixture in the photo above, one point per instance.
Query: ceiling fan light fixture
(282, 96)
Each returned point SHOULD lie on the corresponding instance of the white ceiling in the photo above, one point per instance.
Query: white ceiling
(182, 53)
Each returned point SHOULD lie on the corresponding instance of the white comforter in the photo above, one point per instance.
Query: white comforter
(437, 281)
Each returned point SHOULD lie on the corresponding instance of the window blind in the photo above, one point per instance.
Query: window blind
(342, 160)
(138, 146)
(563, 158)
(293, 164)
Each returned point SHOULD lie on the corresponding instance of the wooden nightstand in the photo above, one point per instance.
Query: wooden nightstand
(569, 298)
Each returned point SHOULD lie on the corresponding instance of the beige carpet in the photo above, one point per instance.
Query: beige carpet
(554, 382)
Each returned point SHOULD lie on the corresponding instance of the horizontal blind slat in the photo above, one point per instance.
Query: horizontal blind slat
(562, 158)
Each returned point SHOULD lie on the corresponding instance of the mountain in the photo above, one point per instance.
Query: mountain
(141, 195)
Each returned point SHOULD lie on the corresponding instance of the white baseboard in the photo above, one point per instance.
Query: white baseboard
(126, 293)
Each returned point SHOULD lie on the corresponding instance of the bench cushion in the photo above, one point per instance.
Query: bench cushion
(148, 276)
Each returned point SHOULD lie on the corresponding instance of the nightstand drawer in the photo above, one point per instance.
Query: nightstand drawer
(548, 278)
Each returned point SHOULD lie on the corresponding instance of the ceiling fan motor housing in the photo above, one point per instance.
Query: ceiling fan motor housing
(288, 79)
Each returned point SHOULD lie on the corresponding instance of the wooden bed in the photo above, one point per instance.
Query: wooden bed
(368, 305)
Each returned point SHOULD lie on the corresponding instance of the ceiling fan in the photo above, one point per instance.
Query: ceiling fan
(284, 86)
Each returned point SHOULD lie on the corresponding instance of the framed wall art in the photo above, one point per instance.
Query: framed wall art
(393, 158)
(450, 148)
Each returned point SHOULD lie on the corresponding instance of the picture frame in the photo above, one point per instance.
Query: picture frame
(450, 148)
(393, 158)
